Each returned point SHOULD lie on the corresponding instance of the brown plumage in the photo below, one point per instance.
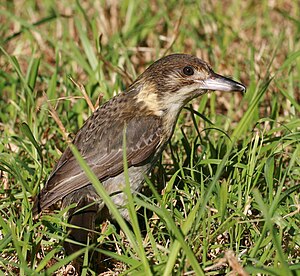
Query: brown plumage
(149, 108)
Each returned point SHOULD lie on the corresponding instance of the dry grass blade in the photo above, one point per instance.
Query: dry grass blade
(175, 34)
(83, 91)
(127, 78)
(231, 260)
(57, 120)
(237, 269)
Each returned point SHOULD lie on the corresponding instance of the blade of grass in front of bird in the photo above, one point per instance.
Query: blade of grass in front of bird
(105, 197)
(131, 210)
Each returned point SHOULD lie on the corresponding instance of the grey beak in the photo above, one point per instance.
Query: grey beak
(220, 83)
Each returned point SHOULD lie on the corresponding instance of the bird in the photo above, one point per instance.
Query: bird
(148, 110)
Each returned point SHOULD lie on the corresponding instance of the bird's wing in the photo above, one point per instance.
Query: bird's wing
(101, 147)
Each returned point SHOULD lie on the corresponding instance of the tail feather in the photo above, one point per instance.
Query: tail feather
(84, 219)
(83, 215)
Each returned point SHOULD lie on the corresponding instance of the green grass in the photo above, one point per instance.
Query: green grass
(229, 181)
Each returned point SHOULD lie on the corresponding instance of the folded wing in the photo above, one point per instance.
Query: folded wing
(101, 147)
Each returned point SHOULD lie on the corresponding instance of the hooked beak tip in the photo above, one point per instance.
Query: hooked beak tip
(239, 87)
(221, 83)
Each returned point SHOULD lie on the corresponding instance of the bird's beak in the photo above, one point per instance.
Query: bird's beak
(220, 83)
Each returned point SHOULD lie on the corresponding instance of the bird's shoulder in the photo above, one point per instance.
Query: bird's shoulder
(103, 131)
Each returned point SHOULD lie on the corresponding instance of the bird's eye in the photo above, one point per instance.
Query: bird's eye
(188, 70)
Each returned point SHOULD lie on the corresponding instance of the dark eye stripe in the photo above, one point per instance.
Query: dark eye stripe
(188, 70)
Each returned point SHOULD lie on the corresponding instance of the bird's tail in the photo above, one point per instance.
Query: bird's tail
(83, 216)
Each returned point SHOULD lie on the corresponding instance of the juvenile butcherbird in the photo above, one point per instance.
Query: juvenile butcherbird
(149, 109)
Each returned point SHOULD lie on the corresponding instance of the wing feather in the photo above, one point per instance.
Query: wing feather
(104, 156)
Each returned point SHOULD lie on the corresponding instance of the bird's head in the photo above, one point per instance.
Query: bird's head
(172, 81)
